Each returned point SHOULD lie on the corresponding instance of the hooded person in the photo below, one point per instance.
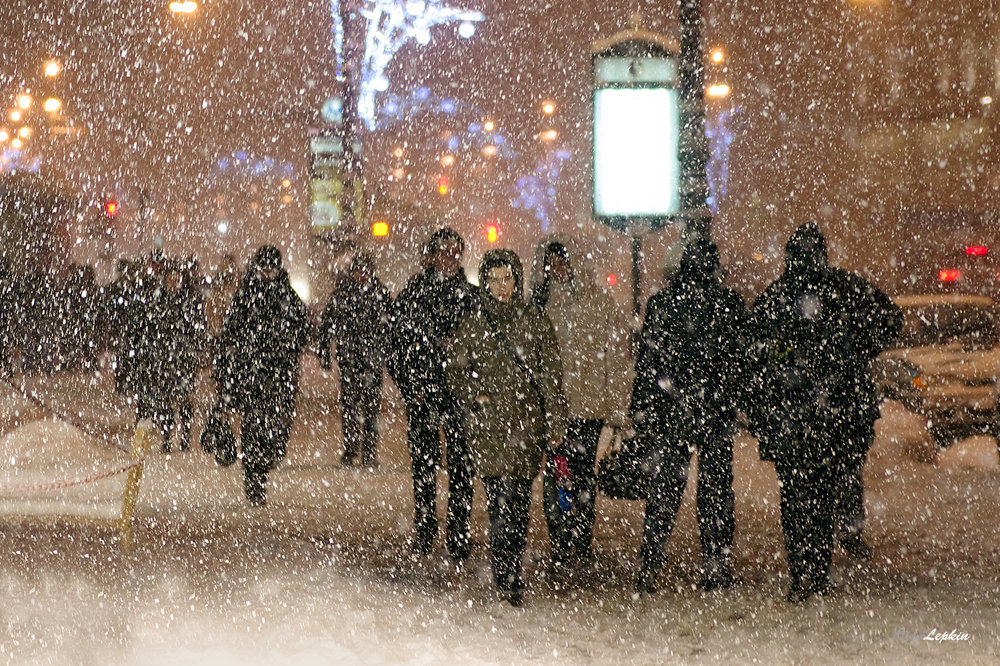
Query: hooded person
(816, 330)
(423, 321)
(257, 368)
(688, 381)
(357, 319)
(593, 344)
(504, 371)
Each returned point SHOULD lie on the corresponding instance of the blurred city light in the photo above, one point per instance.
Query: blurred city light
(718, 56)
(24, 101)
(24, 132)
(52, 105)
(718, 90)
(53, 68)
(111, 208)
(380, 228)
(548, 108)
(489, 151)
(986, 100)
(4, 135)
(443, 185)
(222, 227)
(466, 29)
(398, 153)
(16, 144)
(286, 183)
(489, 126)
(492, 233)
(949, 275)
(549, 135)
(612, 279)
(183, 7)
(15, 116)
(447, 160)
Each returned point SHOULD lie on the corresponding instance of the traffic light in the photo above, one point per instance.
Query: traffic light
(492, 232)
(380, 228)
(111, 208)
(444, 185)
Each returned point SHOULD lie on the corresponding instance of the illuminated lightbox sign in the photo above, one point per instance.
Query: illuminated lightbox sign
(636, 139)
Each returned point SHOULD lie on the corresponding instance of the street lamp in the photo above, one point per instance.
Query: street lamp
(52, 68)
(52, 105)
(183, 6)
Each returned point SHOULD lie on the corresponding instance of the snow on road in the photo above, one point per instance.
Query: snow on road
(320, 575)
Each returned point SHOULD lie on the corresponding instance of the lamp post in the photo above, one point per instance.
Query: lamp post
(694, 145)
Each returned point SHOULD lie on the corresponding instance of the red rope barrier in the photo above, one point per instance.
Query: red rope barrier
(58, 485)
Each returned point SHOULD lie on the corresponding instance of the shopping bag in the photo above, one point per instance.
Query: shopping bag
(626, 469)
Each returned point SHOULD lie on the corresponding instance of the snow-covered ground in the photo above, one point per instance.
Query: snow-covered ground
(320, 575)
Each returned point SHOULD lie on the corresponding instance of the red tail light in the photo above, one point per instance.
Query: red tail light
(949, 275)
(976, 250)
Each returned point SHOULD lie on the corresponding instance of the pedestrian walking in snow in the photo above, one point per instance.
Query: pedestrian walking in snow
(505, 373)
(815, 335)
(173, 337)
(425, 316)
(257, 367)
(357, 320)
(688, 379)
(593, 346)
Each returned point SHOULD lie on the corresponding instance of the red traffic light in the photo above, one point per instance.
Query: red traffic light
(443, 185)
(111, 208)
(492, 233)
(977, 250)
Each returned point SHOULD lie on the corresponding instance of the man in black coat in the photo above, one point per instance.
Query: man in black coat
(357, 319)
(257, 367)
(816, 331)
(425, 316)
(685, 397)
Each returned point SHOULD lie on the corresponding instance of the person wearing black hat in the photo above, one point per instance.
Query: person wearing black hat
(688, 379)
(817, 328)
(425, 316)
(257, 367)
(357, 319)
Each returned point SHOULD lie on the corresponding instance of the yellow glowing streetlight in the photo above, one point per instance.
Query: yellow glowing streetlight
(52, 105)
(4, 135)
(489, 125)
(549, 135)
(16, 144)
(24, 101)
(489, 151)
(718, 56)
(286, 183)
(183, 6)
(53, 67)
(15, 116)
(24, 132)
(447, 160)
(548, 108)
(718, 90)
(398, 153)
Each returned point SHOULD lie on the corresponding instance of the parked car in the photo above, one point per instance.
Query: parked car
(946, 364)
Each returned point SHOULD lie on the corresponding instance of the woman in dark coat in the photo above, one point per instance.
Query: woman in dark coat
(504, 371)
(257, 368)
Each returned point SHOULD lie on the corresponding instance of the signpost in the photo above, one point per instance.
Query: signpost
(636, 137)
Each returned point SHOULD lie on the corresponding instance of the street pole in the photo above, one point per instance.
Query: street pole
(353, 54)
(693, 145)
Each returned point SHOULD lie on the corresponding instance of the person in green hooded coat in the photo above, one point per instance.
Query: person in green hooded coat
(504, 370)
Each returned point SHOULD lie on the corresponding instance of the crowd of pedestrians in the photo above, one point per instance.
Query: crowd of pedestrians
(504, 384)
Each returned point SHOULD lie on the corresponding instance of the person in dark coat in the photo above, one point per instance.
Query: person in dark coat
(257, 367)
(815, 334)
(504, 371)
(8, 317)
(357, 319)
(167, 353)
(689, 375)
(424, 319)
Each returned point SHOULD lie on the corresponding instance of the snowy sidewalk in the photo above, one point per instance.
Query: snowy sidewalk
(320, 576)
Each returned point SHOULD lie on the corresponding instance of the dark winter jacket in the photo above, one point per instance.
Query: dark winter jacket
(424, 319)
(170, 344)
(526, 408)
(816, 330)
(690, 371)
(357, 319)
(263, 335)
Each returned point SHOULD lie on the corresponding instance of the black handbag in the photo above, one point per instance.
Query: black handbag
(626, 470)
(218, 439)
